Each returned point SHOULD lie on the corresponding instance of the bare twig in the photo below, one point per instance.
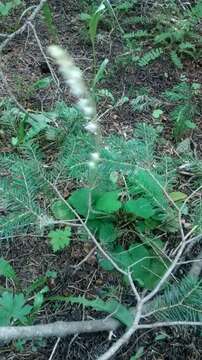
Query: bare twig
(24, 26)
(125, 338)
(54, 349)
(12, 96)
(54, 76)
(77, 266)
(170, 323)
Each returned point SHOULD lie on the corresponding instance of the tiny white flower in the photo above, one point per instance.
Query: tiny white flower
(55, 51)
(95, 156)
(92, 164)
(86, 107)
(76, 73)
(77, 87)
(77, 91)
(92, 127)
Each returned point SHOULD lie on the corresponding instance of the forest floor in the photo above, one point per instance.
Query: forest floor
(31, 256)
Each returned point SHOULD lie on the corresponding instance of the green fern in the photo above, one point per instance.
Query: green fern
(179, 92)
(110, 306)
(49, 21)
(184, 97)
(176, 59)
(163, 37)
(181, 302)
(144, 103)
(150, 56)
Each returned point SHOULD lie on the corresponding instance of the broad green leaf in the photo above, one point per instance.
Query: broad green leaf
(59, 238)
(6, 269)
(37, 126)
(138, 354)
(67, 113)
(38, 301)
(155, 272)
(84, 17)
(151, 224)
(122, 257)
(141, 261)
(177, 196)
(105, 264)
(140, 207)
(94, 20)
(100, 73)
(190, 124)
(81, 201)
(113, 307)
(43, 83)
(108, 233)
(5, 8)
(108, 202)
(155, 243)
(13, 308)
(48, 17)
(61, 211)
(151, 184)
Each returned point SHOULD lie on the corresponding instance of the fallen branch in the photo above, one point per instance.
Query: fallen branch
(64, 328)
(58, 329)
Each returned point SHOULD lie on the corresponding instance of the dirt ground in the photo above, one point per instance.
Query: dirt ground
(31, 256)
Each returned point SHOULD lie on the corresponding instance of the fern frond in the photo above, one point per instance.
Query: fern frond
(176, 59)
(163, 37)
(182, 117)
(144, 103)
(179, 92)
(150, 56)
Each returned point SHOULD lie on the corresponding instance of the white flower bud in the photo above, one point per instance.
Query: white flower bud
(92, 127)
(76, 74)
(95, 156)
(92, 164)
(86, 107)
(77, 88)
(55, 51)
